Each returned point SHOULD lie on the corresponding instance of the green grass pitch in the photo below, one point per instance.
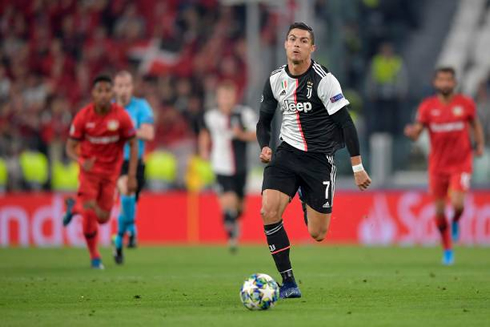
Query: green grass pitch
(199, 286)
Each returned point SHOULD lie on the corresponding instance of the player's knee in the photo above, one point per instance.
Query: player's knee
(103, 217)
(318, 234)
(269, 215)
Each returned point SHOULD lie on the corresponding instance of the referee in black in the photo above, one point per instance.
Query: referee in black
(316, 123)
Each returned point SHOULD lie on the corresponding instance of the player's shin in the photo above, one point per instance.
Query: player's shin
(443, 228)
(279, 245)
(121, 228)
(230, 217)
(128, 204)
(90, 229)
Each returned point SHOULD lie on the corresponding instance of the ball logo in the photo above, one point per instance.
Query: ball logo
(291, 106)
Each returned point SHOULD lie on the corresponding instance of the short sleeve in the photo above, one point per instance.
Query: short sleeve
(202, 121)
(422, 114)
(249, 119)
(146, 114)
(330, 92)
(77, 127)
(127, 128)
(471, 108)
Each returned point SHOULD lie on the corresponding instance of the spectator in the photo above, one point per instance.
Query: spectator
(387, 87)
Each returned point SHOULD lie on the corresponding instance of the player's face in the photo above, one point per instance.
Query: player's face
(445, 83)
(102, 94)
(226, 99)
(299, 46)
(123, 88)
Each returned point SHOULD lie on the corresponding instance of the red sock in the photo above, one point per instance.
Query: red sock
(78, 208)
(443, 227)
(90, 227)
(457, 214)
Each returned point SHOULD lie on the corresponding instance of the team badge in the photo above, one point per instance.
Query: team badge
(112, 125)
(457, 111)
(309, 89)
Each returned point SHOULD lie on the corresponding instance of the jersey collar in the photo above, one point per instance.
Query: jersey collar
(299, 76)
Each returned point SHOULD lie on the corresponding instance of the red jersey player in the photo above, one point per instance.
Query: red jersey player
(100, 131)
(449, 117)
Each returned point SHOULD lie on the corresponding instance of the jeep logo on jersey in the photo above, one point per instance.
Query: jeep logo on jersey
(300, 106)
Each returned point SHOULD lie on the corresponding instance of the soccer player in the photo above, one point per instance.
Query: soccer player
(448, 116)
(142, 116)
(315, 124)
(226, 130)
(96, 141)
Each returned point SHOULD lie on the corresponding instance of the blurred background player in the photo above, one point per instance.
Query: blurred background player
(100, 131)
(223, 138)
(315, 124)
(449, 117)
(142, 116)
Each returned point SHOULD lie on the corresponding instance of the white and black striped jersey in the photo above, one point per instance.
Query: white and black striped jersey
(229, 155)
(307, 102)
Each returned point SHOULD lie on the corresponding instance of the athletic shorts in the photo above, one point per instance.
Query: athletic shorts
(314, 172)
(98, 188)
(234, 183)
(440, 184)
(140, 175)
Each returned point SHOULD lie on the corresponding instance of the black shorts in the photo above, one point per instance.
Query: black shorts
(140, 175)
(234, 183)
(314, 172)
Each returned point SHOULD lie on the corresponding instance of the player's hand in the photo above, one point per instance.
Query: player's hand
(237, 132)
(409, 131)
(480, 148)
(132, 184)
(266, 154)
(362, 180)
(87, 164)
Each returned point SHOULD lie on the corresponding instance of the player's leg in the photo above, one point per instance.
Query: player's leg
(131, 225)
(229, 203)
(274, 203)
(125, 212)
(90, 232)
(460, 184)
(439, 185)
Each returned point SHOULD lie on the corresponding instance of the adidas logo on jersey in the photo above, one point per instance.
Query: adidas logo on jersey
(293, 107)
(283, 92)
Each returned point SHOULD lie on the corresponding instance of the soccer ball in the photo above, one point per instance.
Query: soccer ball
(259, 292)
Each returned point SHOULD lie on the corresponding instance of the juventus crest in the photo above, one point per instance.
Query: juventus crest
(309, 89)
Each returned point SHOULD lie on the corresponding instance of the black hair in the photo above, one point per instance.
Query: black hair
(102, 78)
(445, 69)
(302, 26)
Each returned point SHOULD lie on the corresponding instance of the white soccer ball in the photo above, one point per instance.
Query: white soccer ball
(259, 292)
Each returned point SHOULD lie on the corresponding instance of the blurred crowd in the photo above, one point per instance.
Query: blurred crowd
(50, 50)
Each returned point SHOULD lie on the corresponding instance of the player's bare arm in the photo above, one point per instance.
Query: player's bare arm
(204, 143)
(133, 163)
(477, 131)
(242, 135)
(146, 132)
(343, 119)
(71, 151)
(413, 131)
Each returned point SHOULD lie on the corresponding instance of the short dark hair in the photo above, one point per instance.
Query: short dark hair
(102, 78)
(445, 69)
(302, 26)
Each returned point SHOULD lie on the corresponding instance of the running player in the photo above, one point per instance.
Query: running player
(226, 130)
(448, 116)
(142, 116)
(315, 124)
(99, 131)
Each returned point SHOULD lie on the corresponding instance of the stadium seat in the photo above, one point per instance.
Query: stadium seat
(64, 176)
(35, 169)
(161, 170)
(3, 175)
